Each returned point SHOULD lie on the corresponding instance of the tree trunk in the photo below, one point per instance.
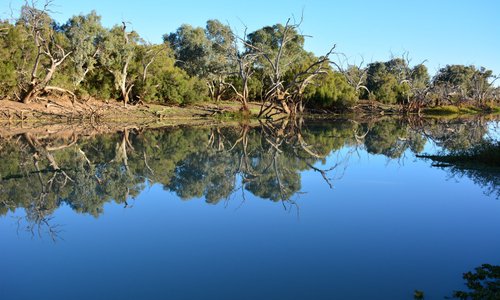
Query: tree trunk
(29, 94)
(124, 95)
(285, 107)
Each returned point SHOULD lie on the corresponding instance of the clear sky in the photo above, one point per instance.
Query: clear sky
(441, 31)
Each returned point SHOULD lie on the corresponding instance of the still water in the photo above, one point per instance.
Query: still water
(333, 210)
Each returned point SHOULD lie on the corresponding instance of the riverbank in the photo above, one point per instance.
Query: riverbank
(94, 112)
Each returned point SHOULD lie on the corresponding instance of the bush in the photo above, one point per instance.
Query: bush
(331, 92)
(176, 87)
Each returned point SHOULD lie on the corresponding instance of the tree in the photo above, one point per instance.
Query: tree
(276, 49)
(153, 60)
(483, 283)
(86, 36)
(355, 74)
(458, 83)
(395, 81)
(11, 57)
(221, 64)
(382, 84)
(117, 56)
(331, 91)
(206, 53)
(50, 52)
(246, 69)
(191, 47)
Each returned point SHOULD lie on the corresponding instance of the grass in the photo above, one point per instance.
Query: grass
(461, 110)
(452, 110)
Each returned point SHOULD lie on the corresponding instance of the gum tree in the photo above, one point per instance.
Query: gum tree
(50, 51)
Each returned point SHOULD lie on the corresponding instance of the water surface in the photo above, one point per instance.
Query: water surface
(316, 210)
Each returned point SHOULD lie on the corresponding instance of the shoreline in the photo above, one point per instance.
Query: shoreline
(95, 112)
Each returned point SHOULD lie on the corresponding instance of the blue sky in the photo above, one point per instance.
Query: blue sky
(441, 31)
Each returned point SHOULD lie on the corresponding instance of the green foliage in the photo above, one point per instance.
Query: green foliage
(191, 47)
(392, 140)
(331, 92)
(10, 56)
(192, 162)
(459, 83)
(197, 62)
(175, 87)
(222, 46)
(461, 76)
(100, 85)
(269, 39)
(292, 57)
(450, 110)
(484, 283)
(117, 57)
(395, 82)
(86, 37)
(385, 81)
(420, 77)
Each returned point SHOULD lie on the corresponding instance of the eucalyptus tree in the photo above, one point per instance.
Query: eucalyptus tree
(11, 58)
(153, 61)
(50, 51)
(205, 53)
(395, 81)
(86, 36)
(119, 50)
(278, 48)
(419, 82)
(221, 64)
(191, 48)
(331, 91)
(384, 81)
(355, 73)
(245, 62)
(464, 83)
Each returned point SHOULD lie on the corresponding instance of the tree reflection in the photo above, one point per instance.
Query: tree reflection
(482, 283)
(39, 174)
(480, 163)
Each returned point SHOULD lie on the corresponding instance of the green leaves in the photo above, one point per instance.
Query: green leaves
(86, 37)
(484, 283)
(331, 91)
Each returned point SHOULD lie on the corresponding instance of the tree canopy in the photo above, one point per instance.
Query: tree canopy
(270, 65)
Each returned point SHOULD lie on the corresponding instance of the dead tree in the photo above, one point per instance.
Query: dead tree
(281, 96)
(355, 74)
(275, 93)
(37, 23)
(245, 62)
(246, 70)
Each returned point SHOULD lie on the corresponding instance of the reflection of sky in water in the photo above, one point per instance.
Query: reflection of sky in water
(494, 131)
(386, 228)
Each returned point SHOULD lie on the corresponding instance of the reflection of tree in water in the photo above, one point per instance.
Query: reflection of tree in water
(488, 179)
(467, 151)
(391, 137)
(455, 134)
(264, 161)
(482, 283)
(40, 174)
(480, 163)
